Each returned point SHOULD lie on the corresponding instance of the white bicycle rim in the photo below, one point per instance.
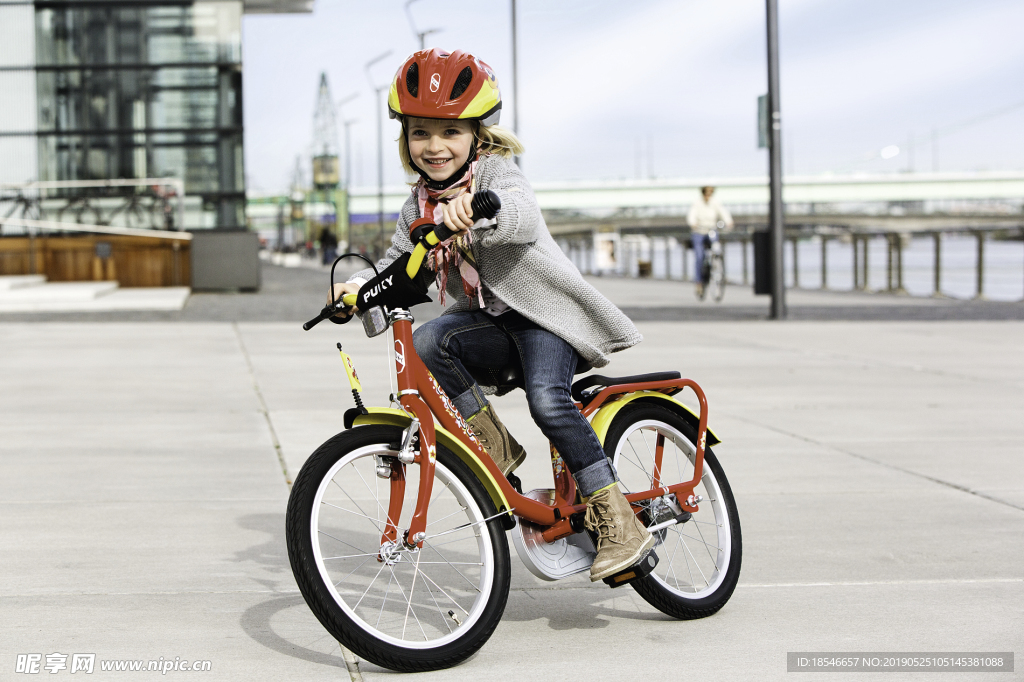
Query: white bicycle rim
(694, 556)
(352, 556)
(718, 277)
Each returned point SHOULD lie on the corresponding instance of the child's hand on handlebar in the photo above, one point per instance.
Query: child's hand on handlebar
(339, 291)
(458, 213)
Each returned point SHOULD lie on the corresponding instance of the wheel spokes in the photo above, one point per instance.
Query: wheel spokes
(412, 606)
(638, 447)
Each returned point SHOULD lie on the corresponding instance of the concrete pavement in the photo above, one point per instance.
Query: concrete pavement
(295, 294)
(877, 468)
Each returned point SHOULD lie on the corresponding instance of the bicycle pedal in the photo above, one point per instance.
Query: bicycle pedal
(640, 569)
(516, 483)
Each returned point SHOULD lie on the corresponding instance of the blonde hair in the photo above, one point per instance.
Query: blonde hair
(489, 140)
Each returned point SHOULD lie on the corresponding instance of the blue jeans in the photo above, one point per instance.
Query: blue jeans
(450, 343)
(698, 256)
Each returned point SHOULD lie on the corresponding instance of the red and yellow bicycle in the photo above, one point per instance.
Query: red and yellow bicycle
(396, 527)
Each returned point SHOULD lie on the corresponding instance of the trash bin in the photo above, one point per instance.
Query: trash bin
(762, 262)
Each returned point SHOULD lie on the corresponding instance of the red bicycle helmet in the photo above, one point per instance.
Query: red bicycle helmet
(437, 84)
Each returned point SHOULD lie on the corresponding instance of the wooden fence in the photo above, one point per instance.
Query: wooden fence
(132, 261)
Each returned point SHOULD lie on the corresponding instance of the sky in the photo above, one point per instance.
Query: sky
(663, 89)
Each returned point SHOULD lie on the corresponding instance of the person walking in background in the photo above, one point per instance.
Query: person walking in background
(705, 216)
(329, 245)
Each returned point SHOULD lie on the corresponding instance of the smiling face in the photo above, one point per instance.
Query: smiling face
(439, 147)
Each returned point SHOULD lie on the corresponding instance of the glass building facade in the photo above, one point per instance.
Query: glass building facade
(96, 90)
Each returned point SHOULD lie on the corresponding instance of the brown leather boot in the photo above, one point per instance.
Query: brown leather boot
(496, 440)
(622, 540)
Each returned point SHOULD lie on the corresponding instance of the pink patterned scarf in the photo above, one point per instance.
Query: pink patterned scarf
(457, 249)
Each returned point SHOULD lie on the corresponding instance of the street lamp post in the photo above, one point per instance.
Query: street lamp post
(345, 183)
(380, 149)
(775, 211)
(422, 35)
(348, 185)
(515, 81)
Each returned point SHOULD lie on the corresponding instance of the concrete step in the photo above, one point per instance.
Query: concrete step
(58, 291)
(110, 298)
(8, 282)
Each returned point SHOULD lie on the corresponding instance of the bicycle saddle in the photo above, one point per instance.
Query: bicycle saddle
(598, 380)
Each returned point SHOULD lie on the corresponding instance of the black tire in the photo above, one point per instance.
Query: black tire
(351, 625)
(664, 589)
(718, 277)
(701, 288)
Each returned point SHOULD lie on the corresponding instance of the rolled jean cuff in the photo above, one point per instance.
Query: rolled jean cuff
(470, 402)
(592, 478)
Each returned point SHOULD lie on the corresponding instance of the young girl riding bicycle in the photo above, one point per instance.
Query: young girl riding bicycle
(515, 298)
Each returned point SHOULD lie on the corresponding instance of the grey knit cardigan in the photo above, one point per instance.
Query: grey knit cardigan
(520, 262)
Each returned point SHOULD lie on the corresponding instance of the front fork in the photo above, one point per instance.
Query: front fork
(410, 453)
(426, 458)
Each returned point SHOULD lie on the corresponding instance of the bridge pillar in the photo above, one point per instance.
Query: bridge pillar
(856, 261)
(864, 243)
(743, 243)
(796, 263)
(980, 274)
(899, 264)
(888, 262)
(824, 262)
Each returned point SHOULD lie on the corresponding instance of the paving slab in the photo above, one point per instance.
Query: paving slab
(876, 466)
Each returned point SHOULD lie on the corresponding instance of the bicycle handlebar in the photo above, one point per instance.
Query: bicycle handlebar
(484, 205)
(331, 309)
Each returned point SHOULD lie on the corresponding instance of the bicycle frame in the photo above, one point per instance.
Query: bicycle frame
(423, 398)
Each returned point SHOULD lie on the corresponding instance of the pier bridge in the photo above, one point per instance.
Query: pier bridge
(902, 201)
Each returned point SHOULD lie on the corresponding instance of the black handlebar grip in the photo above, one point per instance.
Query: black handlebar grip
(327, 311)
(442, 232)
(485, 205)
(314, 322)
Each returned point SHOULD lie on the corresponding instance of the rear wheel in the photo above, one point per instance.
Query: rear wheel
(405, 609)
(699, 559)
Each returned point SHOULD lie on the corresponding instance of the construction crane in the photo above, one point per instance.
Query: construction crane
(325, 140)
(325, 165)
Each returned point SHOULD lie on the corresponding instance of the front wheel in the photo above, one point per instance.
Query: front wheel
(699, 559)
(718, 277)
(406, 609)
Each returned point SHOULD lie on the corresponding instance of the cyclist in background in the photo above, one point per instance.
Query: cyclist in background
(704, 217)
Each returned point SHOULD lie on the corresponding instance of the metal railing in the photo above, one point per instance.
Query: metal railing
(153, 203)
(895, 244)
(637, 256)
